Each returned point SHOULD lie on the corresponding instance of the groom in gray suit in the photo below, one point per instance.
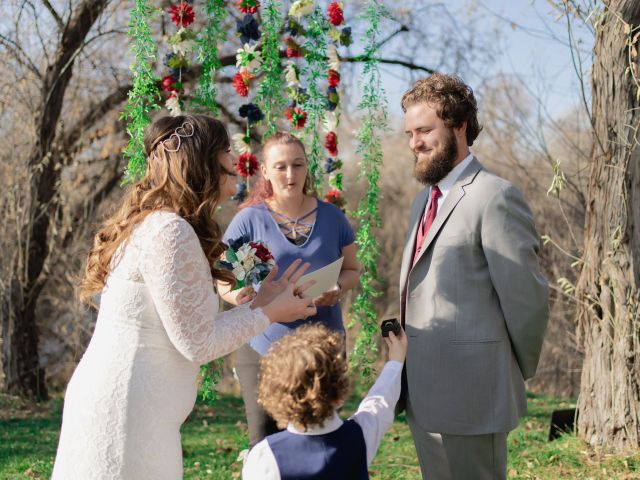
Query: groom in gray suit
(474, 303)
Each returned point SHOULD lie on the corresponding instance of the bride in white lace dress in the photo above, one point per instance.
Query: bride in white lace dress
(158, 318)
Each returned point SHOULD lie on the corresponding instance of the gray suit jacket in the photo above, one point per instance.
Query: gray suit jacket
(476, 308)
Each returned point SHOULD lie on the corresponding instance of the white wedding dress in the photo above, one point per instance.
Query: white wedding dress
(136, 383)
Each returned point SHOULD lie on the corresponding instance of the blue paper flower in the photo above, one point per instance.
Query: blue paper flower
(241, 194)
(236, 243)
(345, 36)
(248, 29)
(332, 164)
(333, 99)
(251, 112)
(293, 27)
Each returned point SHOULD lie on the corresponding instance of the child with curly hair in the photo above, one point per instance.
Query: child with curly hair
(303, 382)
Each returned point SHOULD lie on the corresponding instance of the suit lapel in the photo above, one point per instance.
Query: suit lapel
(453, 198)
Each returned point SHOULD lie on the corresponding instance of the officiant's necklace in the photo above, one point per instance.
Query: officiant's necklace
(295, 229)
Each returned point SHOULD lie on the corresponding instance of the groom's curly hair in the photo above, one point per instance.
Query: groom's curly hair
(452, 99)
(304, 378)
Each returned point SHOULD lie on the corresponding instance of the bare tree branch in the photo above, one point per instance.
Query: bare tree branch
(54, 14)
(84, 209)
(95, 112)
(389, 61)
(20, 55)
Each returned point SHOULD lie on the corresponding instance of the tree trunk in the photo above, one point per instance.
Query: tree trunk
(608, 288)
(22, 372)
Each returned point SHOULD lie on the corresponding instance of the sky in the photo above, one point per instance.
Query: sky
(532, 44)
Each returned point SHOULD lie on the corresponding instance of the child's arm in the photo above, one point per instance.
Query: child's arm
(376, 412)
(260, 463)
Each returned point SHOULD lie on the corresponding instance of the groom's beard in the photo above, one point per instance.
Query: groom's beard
(439, 164)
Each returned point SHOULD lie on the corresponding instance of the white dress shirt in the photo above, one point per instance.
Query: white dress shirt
(375, 415)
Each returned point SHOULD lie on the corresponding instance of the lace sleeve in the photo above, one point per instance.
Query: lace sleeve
(177, 274)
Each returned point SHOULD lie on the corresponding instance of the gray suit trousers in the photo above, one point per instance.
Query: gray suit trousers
(460, 457)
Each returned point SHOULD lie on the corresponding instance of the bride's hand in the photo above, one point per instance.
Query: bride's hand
(271, 288)
(283, 301)
(245, 295)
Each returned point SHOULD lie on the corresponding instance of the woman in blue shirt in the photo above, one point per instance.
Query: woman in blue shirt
(284, 212)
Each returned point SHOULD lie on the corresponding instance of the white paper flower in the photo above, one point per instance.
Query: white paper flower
(239, 144)
(242, 253)
(292, 75)
(183, 48)
(332, 55)
(238, 272)
(248, 263)
(300, 8)
(248, 58)
(330, 122)
(183, 41)
(173, 105)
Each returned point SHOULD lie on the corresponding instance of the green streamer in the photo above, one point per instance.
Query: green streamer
(270, 93)
(144, 96)
(210, 376)
(208, 40)
(374, 123)
(315, 48)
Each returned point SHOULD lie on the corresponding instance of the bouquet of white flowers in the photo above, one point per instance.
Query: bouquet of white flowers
(250, 262)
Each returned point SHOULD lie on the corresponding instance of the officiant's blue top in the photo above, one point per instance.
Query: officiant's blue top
(330, 233)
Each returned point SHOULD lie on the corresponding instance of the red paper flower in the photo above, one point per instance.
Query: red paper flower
(297, 116)
(293, 49)
(334, 12)
(241, 82)
(262, 252)
(247, 164)
(335, 197)
(333, 77)
(182, 14)
(331, 144)
(248, 6)
(167, 84)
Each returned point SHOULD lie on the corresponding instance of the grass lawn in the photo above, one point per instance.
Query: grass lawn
(213, 437)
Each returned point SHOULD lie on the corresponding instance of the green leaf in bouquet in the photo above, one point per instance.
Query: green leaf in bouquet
(231, 256)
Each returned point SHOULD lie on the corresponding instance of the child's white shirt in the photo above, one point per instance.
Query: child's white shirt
(375, 415)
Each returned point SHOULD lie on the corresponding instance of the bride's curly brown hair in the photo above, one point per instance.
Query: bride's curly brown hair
(186, 182)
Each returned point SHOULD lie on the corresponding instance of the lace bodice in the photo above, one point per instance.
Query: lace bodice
(165, 254)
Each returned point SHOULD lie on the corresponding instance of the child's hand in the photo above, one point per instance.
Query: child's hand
(397, 346)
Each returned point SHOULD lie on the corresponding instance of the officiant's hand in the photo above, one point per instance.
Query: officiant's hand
(328, 298)
(397, 345)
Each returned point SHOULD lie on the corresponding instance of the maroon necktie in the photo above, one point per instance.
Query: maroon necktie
(427, 220)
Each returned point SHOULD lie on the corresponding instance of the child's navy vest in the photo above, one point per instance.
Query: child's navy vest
(338, 455)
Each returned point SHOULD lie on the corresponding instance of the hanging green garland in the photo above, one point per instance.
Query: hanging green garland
(144, 95)
(210, 37)
(315, 49)
(270, 94)
(374, 123)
